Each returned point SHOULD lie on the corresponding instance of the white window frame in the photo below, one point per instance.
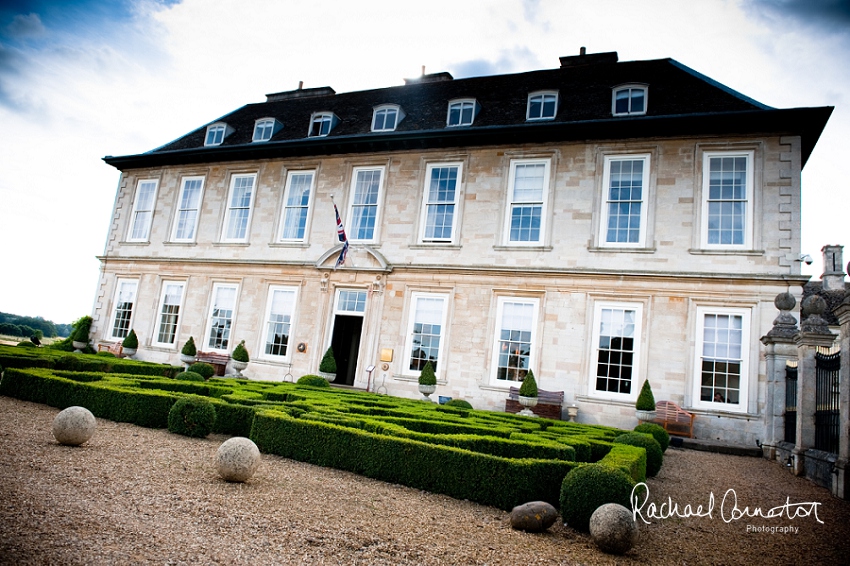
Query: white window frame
(411, 324)
(384, 110)
(462, 104)
(288, 207)
(216, 134)
(427, 203)
(226, 235)
(185, 211)
(746, 315)
(543, 94)
(116, 331)
(160, 315)
(321, 118)
(142, 215)
(264, 129)
(511, 202)
(606, 200)
(353, 224)
(534, 302)
(226, 347)
(630, 88)
(267, 323)
(747, 243)
(637, 340)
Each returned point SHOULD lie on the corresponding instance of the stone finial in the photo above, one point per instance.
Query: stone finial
(785, 325)
(811, 310)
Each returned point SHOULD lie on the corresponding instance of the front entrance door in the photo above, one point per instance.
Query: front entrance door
(347, 328)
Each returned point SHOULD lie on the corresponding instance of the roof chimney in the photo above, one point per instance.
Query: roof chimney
(584, 59)
(432, 78)
(833, 274)
(301, 92)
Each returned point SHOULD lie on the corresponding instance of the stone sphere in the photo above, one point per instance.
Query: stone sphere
(73, 426)
(613, 529)
(237, 459)
(785, 301)
(533, 517)
(813, 304)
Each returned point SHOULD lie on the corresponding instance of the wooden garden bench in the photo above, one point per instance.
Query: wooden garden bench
(674, 419)
(548, 403)
(114, 347)
(218, 361)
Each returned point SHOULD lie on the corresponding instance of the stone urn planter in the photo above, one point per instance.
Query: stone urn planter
(528, 403)
(426, 391)
(645, 416)
(129, 352)
(79, 346)
(187, 360)
(238, 367)
(328, 376)
(572, 413)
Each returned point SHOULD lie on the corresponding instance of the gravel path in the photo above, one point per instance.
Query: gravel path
(133, 495)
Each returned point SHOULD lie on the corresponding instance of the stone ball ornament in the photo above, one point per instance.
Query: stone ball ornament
(73, 426)
(785, 301)
(613, 529)
(812, 305)
(237, 459)
(533, 517)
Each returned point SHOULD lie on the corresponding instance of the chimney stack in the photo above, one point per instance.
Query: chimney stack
(833, 270)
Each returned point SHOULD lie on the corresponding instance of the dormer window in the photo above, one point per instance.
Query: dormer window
(216, 133)
(386, 118)
(265, 128)
(462, 112)
(321, 124)
(542, 105)
(629, 100)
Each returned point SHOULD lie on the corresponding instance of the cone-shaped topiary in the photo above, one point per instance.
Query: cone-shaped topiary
(240, 354)
(646, 400)
(657, 432)
(584, 489)
(192, 416)
(427, 376)
(82, 328)
(189, 348)
(131, 341)
(328, 364)
(529, 385)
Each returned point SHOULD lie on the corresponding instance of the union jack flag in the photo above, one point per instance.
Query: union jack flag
(340, 233)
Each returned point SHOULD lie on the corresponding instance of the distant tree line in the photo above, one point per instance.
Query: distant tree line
(26, 326)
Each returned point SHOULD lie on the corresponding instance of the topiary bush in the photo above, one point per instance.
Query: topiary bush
(82, 329)
(529, 385)
(240, 353)
(313, 380)
(189, 376)
(131, 341)
(461, 403)
(654, 455)
(657, 432)
(645, 400)
(189, 348)
(204, 369)
(192, 416)
(427, 375)
(328, 363)
(584, 489)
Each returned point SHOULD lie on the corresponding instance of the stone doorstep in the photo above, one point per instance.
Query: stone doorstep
(716, 446)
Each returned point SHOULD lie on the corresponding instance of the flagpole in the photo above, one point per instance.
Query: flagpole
(340, 232)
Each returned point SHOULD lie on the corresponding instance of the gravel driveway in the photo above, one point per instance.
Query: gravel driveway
(133, 495)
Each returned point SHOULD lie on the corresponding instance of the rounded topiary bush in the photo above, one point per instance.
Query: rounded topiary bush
(205, 370)
(654, 455)
(460, 403)
(189, 376)
(657, 432)
(586, 488)
(313, 380)
(191, 416)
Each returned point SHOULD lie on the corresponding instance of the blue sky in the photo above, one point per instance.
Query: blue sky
(81, 80)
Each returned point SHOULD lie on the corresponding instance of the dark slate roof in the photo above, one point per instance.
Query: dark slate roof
(680, 102)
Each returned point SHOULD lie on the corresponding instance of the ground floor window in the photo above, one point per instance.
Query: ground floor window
(616, 343)
(221, 316)
(425, 330)
(122, 311)
(281, 305)
(722, 361)
(169, 312)
(516, 322)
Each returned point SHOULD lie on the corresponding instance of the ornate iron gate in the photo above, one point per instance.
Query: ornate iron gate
(791, 403)
(827, 421)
